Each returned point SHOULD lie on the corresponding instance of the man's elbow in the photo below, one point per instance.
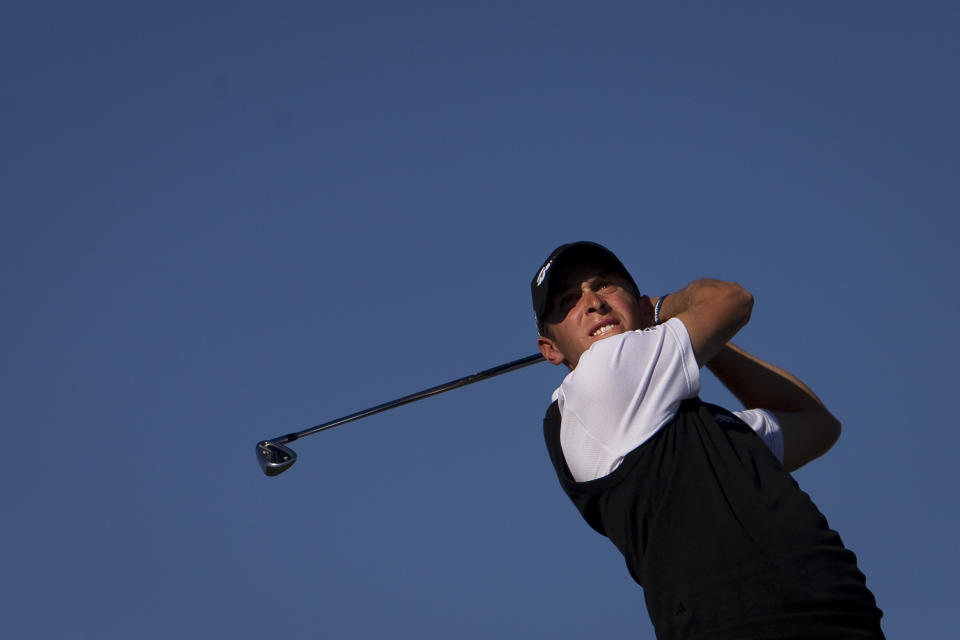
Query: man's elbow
(827, 433)
(740, 303)
(807, 435)
(832, 431)
(746, 304)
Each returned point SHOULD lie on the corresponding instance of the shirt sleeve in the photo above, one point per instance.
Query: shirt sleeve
(623, 390)
(765, 424)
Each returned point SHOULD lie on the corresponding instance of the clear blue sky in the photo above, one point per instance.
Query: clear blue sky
(222, 222)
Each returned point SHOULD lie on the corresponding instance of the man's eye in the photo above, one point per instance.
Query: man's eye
(567, 301)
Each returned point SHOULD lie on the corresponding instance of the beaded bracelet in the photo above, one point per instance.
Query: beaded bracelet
(656, 309)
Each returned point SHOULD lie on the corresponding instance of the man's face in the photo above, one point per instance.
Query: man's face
(589, 305)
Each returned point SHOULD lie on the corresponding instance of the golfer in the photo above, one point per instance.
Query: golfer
(698, 499)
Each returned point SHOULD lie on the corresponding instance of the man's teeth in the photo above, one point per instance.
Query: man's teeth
(602, 330)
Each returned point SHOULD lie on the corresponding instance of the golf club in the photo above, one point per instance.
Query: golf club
(275, 457)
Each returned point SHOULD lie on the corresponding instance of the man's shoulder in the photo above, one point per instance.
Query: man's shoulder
(610, 366)
(625, 349)
(619, 367)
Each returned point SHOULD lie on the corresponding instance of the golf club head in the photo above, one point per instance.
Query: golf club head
(274, 458)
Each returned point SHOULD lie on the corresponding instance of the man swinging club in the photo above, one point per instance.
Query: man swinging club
(697, 498)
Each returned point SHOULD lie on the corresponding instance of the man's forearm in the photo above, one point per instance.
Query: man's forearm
(712, 311)
(760, 384)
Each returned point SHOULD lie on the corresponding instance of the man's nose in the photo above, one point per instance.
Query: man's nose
(594, 302)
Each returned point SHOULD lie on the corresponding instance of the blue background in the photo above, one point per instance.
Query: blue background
(222, 222)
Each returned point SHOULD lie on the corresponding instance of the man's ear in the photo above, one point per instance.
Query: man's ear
(549, 350)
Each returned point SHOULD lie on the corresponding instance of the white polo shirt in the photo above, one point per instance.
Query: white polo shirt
(624, 389)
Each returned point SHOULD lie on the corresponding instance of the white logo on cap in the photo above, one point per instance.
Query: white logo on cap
(543, 273)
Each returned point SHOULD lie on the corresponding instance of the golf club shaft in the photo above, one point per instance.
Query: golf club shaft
(413, 397)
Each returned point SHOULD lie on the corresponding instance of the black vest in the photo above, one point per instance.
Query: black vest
(720, 537)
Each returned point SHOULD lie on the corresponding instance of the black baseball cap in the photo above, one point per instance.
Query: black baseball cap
(561, 260)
